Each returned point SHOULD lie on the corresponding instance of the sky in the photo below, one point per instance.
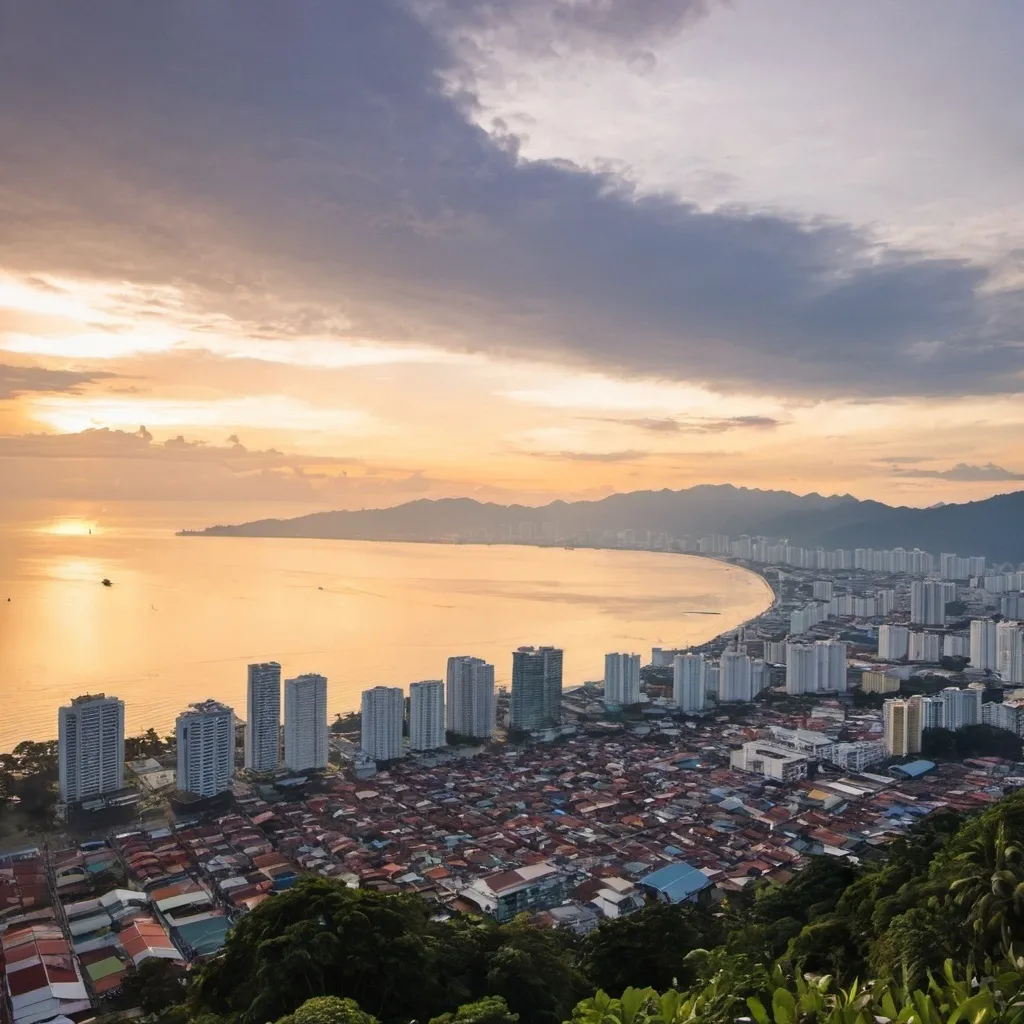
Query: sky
(348, 254)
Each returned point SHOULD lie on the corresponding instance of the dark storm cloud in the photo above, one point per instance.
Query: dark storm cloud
(21, 380)
(300, 167)
(963, 472)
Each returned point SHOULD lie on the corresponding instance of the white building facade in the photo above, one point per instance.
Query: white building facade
(90, 734)
(469, 704)
(306, 745)
(893, 642)
(206, 748)
(426, 715)
(263, 722)
(983, 644)
(689, 682)
(622, 679)
(383, 712)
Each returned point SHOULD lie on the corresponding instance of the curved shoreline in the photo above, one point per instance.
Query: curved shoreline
(542, 547)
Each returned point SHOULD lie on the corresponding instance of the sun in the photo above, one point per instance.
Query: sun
(71, 526)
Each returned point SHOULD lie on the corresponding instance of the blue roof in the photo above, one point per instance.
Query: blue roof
(677, 882)
(914, 768)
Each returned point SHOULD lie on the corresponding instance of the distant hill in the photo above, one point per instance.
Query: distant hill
(993, 527)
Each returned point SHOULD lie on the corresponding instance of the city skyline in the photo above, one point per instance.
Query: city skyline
(531, 284)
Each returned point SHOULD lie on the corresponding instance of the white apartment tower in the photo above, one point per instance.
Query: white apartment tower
(426, 715)
(893, 642)
(383, 712)
(622, 679)
(689, 682)
(962, 707)
(983, 644)
(263, 724)
(90, 747)
(469, 704)
(1010, 651)
(735, 682)
(928, 602)
(801, 668)
(305, 723)
(830, 665)
(206, 748)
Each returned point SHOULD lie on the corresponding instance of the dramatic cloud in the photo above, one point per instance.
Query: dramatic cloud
(543, 24)
(21, 380)
(963, 472)
(303, 170)
(671, 425)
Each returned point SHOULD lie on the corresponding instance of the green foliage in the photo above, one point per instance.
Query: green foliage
(489, 1010)
(648, 946)
(971, 741)
(328, 1010)
(926, 936)
(155, 985)
(322, 939)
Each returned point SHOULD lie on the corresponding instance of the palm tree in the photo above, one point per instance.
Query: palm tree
(992, 889)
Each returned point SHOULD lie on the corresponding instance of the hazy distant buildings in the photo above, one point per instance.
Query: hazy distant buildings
(263, 724)
(205, 735)
(90, 747)
(962, 707)
(983, 644)
(816, 667)
(383, 712)
(879, 682)
(925, 647)
(305, 723)
(801, 668)
(1010, 652)
(622, 679)
(689, 682)
(893, 642)
(928, 602)
(536, 698)
(469, 708)
(735, 683)
(426, 715)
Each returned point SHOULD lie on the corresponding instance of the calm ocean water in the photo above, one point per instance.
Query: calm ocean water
(185, 615)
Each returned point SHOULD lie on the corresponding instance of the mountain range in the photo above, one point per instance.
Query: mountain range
(993, 527)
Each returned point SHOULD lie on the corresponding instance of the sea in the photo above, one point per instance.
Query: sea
(183, 616)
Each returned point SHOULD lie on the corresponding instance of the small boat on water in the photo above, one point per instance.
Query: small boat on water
(107, 582)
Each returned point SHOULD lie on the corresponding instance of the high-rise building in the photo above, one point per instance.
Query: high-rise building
(928, 602)
(760, 676)
(206, 748)
(801, 668)
(933, 713)
(536, 699)
(305, 723)
(822, 590)
(903, 724)
(963, 707)
(954, 646)
(924, 647)
(426, 715)
(735, 682)
(689, 682)
(383, 712)
(893, 642)
(622, 679)
(1010, 651)
(263, 725)
(830, 665)
(469, 707)
(90, 747)
(983, 644)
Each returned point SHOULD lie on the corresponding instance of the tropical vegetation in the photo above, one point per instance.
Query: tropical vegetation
(931, 931)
